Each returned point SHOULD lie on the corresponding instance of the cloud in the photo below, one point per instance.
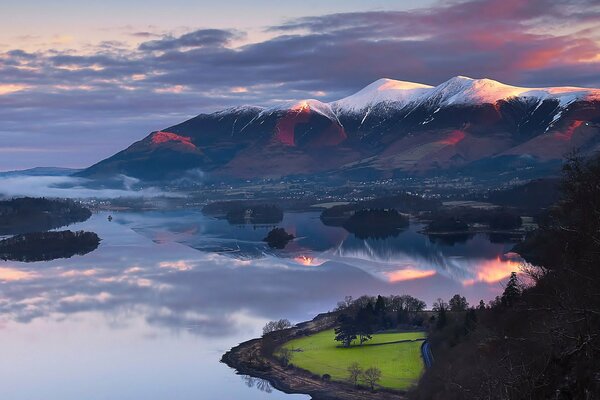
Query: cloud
(88, 105)
(199, 38)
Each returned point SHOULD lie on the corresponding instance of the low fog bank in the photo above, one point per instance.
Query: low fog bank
(15, 185)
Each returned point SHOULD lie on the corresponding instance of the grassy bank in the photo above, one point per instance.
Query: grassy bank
(400, 363)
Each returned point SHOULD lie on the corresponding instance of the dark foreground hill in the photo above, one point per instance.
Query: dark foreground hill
(541, 338)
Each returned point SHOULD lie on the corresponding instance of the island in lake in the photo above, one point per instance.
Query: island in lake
(29, 214)
(28, 222)
(45, 246)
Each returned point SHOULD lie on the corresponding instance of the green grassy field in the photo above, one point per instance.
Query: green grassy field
(400, 363)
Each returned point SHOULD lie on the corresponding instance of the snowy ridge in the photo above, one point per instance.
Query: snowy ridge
(313, 105)
(239, 109)
(467, 91)
(459, 90)
(383, 91)
(393, 94)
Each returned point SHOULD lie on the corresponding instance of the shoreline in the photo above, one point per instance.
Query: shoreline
(255, 358)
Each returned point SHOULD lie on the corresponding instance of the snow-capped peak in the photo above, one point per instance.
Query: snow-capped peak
(313, 105)
(465, 90)
(383, 91)
(459, 90)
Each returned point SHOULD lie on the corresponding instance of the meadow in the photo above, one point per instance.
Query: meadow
(401, 364)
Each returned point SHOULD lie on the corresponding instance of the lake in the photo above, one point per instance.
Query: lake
(150, 312)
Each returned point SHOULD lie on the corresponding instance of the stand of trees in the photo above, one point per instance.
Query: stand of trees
(273, 326)
(377, 223)
(532, 196)
(28, 214)
(404, 202)
(360, 318)
(540, 340)
(45, 246)
(458, 219)
(447, 223)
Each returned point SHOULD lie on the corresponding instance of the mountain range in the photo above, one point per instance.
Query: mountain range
(390, 128)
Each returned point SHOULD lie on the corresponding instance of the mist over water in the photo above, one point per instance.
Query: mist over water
(151, 311)
(65, 186)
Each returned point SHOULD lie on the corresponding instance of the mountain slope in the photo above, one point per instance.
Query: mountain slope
(387, 128)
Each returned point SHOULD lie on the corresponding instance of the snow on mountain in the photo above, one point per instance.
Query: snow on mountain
(313, 105)
(383, 91)
(462, 90)
(459, 90)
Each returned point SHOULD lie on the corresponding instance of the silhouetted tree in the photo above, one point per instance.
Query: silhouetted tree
(364, 324)
(458, 303)
(481, 305)
(346, 330)
(512, 291)
(470, 321)
(379, 305)
(441, 307)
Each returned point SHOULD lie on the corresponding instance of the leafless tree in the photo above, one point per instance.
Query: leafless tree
(273, 326)
(354, 373)
(371, 376)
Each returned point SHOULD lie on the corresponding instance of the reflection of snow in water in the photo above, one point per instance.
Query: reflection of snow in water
(410, 255)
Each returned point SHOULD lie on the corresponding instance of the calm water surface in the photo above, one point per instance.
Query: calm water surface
(150, 312)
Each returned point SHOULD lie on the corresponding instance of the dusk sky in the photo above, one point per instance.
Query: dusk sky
(81, 81)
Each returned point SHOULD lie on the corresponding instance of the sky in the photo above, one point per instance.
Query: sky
(80, 81)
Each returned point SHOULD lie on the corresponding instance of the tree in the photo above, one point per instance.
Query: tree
(380, 312)
(441, 307)
(406, 307)
(343, 305)
(380, 305)
(273, 326)
(470, 321)
(371, 376)
(354, 373)
(458, 303)
(285, 356)
(481, 305)
(439, 304)
(346, 330)
(364, 323)
(512, 291)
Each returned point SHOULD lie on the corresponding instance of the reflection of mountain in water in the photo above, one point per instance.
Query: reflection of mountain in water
(408, 249)
(452, 238)
(376, 233)
(411, 249)
(238, 241)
